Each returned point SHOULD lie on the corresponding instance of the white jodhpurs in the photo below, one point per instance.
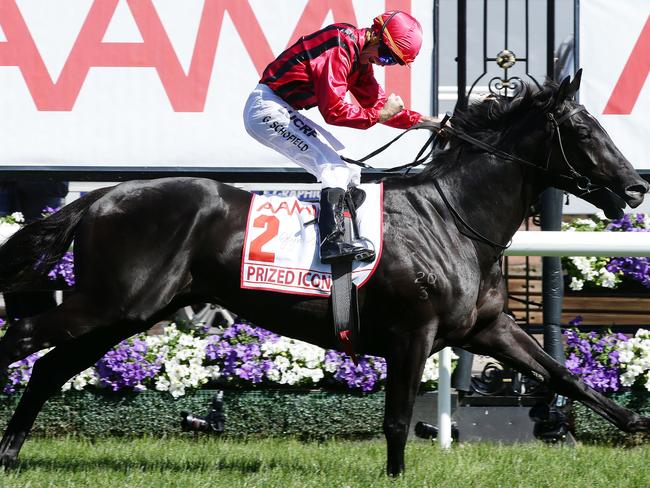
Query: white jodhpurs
(271, 121)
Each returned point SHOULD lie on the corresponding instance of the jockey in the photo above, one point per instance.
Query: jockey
(318, 71)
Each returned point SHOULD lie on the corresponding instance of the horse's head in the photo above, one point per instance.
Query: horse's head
(585, 161)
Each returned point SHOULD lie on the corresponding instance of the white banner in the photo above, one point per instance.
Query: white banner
(615, 56)
(163, 82)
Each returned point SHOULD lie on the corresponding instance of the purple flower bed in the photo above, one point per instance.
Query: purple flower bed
(367, 375)
(242, 354)
(628, 273)
(593, 357)
(19, 373)
(628, 223)
(127, 366)
(636, 269)
(64, 269)
(238, 353)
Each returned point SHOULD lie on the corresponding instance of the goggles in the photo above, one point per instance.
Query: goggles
(384, 54)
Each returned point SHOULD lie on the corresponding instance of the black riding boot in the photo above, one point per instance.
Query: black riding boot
(331, 227)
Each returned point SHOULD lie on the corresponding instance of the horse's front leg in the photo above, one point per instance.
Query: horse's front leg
(507, 342)
(405, 364)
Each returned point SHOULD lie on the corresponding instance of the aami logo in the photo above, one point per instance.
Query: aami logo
(186, 93)
(630, 83)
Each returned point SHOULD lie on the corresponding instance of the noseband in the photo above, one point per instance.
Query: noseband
(582, 182)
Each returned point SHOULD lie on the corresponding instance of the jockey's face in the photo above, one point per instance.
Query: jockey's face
(371, 53)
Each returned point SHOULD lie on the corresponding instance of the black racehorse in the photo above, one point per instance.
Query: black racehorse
(145, 248)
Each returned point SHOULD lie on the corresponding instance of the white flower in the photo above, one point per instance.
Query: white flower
(576, 284)
(585, 265)
(608, 279)
(625, 355)
(431, 370)
(274, 375)
(585, 222)
(80, 381)
(183, 357)
(281, 363)
(642, 334)
(627, 378)
(162, 384)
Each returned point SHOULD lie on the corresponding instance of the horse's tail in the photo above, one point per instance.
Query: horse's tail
(35, 249)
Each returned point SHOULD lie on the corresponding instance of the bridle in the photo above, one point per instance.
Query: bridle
(582, 182)
(444, 132)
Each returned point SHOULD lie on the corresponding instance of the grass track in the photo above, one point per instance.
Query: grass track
(209, 462)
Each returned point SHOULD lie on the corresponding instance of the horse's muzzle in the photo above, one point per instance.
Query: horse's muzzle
(634, 193)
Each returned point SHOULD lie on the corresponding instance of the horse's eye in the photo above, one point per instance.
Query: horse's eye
(583, 133)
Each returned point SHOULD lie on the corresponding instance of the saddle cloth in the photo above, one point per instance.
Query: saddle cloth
(281, 244)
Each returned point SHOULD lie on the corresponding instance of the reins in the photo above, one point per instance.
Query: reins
(419, 158)
(581, 181)
(474, 234)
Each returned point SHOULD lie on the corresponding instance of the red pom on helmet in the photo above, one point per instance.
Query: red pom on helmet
(401, 32)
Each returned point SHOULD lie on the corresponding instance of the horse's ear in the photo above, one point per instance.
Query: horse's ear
(568, 88)
(562, 91)
(575, 84)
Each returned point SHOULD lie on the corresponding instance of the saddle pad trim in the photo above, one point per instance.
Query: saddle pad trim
(380, 245)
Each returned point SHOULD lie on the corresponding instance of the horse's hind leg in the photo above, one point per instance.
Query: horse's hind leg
(76, 316)
(81, 329)
(405, 362)
(48, 376)
(506, 341)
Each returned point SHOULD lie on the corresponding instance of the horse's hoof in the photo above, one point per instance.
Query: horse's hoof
(395, 471)
(640, 424)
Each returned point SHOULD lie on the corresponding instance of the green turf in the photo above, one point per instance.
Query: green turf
(209, 462)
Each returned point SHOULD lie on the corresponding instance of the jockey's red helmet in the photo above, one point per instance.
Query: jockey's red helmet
(401, 32)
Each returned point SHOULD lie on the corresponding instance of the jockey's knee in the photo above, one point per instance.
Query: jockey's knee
(339, 175)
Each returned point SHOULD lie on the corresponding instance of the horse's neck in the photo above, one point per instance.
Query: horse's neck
(492, 196)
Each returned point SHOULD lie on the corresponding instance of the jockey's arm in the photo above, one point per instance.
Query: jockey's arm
(330, 74)
(330, 81)
(368, 92)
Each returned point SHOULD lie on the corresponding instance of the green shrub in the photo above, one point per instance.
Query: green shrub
(307, 415)
(591, 428)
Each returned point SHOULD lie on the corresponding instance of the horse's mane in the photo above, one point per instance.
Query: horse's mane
(494, 119)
